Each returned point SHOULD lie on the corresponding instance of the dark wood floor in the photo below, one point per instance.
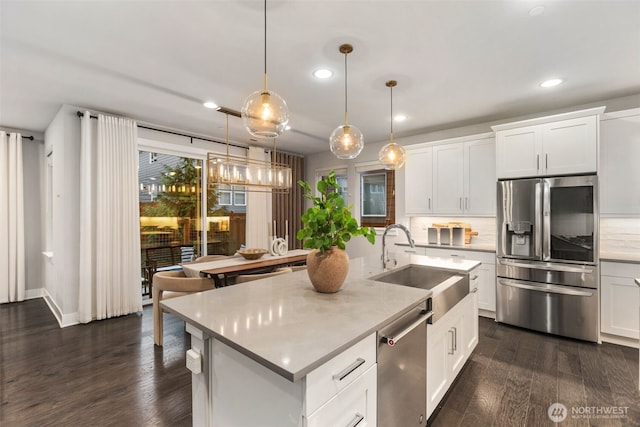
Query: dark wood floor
(514, 375)
(109, 373)
(105, 373)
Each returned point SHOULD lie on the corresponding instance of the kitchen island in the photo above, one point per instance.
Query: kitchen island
(258, 348)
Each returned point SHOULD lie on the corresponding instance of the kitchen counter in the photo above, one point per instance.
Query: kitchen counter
(625, 257)
(285, 325)
(467, 247)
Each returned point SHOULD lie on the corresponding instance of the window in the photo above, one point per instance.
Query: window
(377, 198)
(224, 198)
(341, 179)
(239, 196)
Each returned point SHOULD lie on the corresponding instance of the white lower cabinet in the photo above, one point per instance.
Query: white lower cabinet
(450, 342)
(354, 405)
(619, 300)
(243, 392)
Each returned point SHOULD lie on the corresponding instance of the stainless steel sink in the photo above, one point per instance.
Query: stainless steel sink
(448, 287)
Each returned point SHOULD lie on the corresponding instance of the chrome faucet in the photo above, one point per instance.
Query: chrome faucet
(385, 255)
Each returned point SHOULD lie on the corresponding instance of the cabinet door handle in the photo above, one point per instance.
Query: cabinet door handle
(474, 277)
(452, 339)
(455, 339)
(349, 369)
(356, 420)
(429, 203)
(537, 162)
(474, 290)
(460, 203)
(466, 203)
(546, 161)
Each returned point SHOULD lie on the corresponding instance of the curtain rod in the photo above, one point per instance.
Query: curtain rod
(25, 137)
(81, 114)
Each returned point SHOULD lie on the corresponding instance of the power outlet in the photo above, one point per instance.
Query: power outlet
(194, 361)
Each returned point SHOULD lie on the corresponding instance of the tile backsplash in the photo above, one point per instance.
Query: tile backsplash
(620, 235)
(486, 228)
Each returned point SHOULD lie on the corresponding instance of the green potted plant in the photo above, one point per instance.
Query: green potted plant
(326, 227)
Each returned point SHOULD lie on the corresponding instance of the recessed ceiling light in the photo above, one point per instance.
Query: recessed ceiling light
(536, 11)
(322, 73)
(551, 82)
(399, 118)
(210, 104)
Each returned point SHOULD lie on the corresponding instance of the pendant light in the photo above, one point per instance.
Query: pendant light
(252, 174)
(392, 155)
(265, 113)
(346, 141)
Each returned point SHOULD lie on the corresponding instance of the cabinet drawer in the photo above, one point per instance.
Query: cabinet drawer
(328, 379)
(620, 269)
(354, 405)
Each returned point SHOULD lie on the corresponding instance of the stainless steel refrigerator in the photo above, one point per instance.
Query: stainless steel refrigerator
(547, 255)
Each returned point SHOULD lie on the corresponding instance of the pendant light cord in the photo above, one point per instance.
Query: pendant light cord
(345, 90)
(391, 92)
(265, 45)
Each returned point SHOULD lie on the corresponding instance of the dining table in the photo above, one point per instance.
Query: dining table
(220, 270)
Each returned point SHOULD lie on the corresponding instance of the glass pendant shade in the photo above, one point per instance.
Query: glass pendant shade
(346, 142)
(265, 114)
(392, 156)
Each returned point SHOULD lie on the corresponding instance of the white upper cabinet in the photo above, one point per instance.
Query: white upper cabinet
(563, 144)
(619, 171)
(452, 177)
(418, 181)
(448, 183)
(480, 177)
(518, 152)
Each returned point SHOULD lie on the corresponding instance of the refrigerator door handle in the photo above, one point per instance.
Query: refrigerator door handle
(552, 289)
(546, 220)
(547, 267)
(537, 237)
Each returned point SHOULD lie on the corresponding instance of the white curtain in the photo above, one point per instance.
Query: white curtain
(12, 249)
(109, 219)
(258, 209)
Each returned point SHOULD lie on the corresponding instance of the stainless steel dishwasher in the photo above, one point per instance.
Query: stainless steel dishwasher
(402, 369)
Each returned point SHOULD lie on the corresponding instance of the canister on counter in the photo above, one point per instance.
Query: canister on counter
(432, 235)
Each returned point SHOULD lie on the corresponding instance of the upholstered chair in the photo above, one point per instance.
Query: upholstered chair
(169, 284)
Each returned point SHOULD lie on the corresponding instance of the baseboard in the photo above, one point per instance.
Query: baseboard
(34, 293)
(64, 320)
(615, 339)
(487, 313)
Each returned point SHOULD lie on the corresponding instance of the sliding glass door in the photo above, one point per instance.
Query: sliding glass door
(172, 227)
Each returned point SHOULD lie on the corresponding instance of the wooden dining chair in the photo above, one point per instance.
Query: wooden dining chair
(170, 284)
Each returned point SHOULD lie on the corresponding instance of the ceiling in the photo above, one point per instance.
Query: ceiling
(456, 62)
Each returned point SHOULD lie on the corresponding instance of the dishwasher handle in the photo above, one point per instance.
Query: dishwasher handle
(391, 341)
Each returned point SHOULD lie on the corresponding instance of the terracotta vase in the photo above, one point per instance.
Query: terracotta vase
(327, 270)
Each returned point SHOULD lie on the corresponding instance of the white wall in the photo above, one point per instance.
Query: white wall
(62, 137)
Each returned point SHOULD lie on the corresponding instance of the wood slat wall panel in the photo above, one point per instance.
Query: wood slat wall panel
(290, 206)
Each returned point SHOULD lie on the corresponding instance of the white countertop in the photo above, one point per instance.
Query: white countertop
(632, 257)
(285, 325)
